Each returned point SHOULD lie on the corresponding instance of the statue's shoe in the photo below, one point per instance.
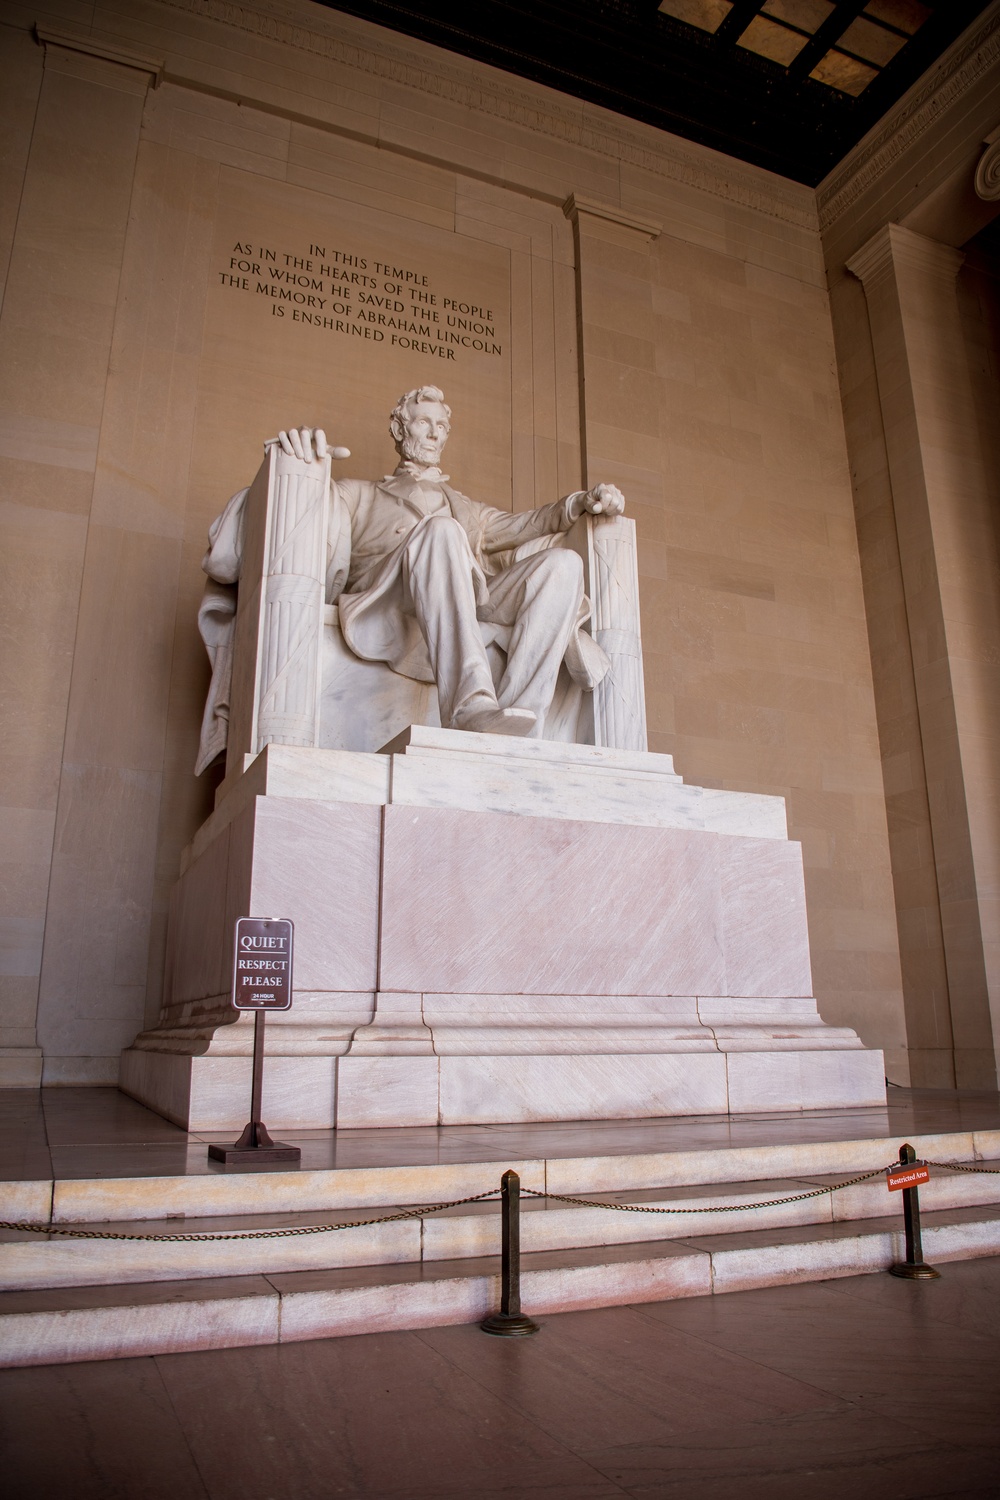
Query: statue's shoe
(497, 721)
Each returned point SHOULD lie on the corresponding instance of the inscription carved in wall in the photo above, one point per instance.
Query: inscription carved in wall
(335, 291)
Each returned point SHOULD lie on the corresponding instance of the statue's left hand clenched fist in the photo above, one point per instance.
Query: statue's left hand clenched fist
(602, 500)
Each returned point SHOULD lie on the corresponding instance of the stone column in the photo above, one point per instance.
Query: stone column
(951, 584)
(619, 417)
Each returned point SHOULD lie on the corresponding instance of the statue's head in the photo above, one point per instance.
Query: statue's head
(420, 424)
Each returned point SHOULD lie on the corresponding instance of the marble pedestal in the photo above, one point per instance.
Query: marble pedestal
(494, 930)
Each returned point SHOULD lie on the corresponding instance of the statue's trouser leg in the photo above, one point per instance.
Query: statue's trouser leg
(437, 585)
(539, 599)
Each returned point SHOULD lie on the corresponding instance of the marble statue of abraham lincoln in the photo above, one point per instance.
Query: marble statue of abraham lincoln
(426, 579)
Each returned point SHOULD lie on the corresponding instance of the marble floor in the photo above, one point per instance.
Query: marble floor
(861, 1389)
(98, 1132)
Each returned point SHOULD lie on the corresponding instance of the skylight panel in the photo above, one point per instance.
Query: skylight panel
(707, 15)
(848, 74)
(905, 15)
(781, 30)
(768, 39)
(804, 15)
(876, 44)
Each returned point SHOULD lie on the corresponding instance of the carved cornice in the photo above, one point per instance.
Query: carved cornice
(922, 108)
(575, 205)
(893, 246)
(490, 93)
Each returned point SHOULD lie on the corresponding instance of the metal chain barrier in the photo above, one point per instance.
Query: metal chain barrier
(720, 1208)
(954, 1166)
(249, 1234)
(415, 1213)
(493, 1194)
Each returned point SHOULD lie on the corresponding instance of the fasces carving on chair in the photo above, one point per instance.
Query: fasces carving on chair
(488, 608)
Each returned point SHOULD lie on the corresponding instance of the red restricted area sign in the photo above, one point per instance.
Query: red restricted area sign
(912, 1174)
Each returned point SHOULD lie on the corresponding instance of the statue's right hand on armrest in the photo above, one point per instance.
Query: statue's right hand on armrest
(308, 444)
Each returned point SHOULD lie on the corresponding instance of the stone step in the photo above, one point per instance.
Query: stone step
(64, 1325)
(464, 1232)
(177, 1181)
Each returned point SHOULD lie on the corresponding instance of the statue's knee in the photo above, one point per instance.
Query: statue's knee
(445, 531)
(562, 568)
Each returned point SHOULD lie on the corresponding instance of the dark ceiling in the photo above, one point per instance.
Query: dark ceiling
(790, 85)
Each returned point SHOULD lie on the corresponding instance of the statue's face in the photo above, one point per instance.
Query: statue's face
(425, 432)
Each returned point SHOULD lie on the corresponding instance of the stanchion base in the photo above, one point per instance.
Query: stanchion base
(918, 1272)
(254, 1158)
(255, 1149)
(508, 1325)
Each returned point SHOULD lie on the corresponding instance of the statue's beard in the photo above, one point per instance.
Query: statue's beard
(419, 451)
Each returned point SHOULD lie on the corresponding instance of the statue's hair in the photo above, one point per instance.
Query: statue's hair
(422, 393)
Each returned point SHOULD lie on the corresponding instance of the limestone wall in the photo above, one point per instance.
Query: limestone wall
(657, 315)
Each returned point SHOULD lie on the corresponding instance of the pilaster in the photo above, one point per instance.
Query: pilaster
(62, 303)
(618, 394)
(948, 561)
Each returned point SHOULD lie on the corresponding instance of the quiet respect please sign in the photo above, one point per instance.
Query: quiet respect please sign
(262, 964)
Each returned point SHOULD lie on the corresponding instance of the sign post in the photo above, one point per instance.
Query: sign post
(906, 1179)
(262, 981)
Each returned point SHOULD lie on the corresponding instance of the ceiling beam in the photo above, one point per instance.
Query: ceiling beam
(737, 21)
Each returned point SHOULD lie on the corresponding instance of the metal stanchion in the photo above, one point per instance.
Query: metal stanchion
(510, 1322)
(255, 1147)
(913, 1268)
